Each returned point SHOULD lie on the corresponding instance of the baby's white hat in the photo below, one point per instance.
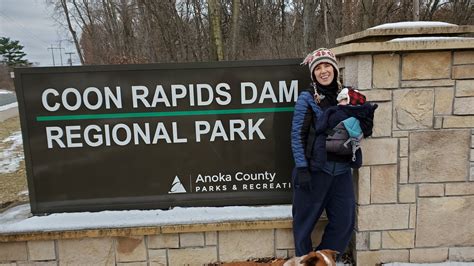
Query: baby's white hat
(344, 94)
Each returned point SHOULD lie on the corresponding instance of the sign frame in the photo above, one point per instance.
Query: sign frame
(145, 202)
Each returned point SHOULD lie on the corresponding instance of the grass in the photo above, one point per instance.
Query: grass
(14, 183)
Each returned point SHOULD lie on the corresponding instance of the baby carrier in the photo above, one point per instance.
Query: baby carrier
(344, 138)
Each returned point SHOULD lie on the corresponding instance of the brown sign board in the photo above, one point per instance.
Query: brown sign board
(158, 135)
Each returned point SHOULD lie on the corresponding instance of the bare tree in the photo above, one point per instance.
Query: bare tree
(416, 10)
(143, 31)
(432, 7)
(309, 15)
(462, 11)
(235, 28)
(71, 30)
(200, 32)
(216, 31)
(325, 14)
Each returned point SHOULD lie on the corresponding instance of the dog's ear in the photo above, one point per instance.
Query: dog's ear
(309, 258)
(312, 259)
(331, 253)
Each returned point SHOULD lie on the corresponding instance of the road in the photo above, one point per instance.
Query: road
(7, 98)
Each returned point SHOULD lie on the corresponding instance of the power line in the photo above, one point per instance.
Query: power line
(52, 48)
(52, 53)
(22, 28)
(60, 47)
(60, 52)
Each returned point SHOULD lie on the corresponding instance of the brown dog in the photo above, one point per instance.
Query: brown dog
(325, 257)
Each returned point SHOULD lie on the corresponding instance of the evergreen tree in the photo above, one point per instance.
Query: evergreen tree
(11, 53)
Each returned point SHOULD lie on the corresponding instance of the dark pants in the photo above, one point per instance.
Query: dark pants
(333, 193)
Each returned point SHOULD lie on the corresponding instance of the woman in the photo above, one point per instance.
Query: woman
(321, 181)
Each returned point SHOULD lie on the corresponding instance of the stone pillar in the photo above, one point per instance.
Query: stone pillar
(415, 191)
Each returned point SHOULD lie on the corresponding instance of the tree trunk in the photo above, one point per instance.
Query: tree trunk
(147, 27)
(180, 30)
(326, 29)
(235, 28)
(336, 15)
(127, 31)
(347, 22)
(283, 20)
(73, 32)
(199, 28)
(367, 14)
(416, 10)
(216, 32)
(111, 26)
(308, 16)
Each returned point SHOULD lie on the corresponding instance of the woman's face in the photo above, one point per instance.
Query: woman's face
(324, 73)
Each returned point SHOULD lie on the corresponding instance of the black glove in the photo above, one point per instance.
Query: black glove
(303, 178)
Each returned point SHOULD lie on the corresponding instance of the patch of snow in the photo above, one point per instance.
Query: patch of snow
(2, 91)
(413, 24)
(16, 213)
(15, 138)
(16, 220)
(23, 193)
(11, 157)
(8, 106)
(432, 38)
(447, 263)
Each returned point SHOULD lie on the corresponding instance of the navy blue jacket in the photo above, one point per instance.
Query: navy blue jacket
(333, 116)
(313, 154)
(305, 116)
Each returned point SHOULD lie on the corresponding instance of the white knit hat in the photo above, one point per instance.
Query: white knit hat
(344, 94)
(321, 55)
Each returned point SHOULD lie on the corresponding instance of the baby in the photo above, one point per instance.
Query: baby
(351, 119)
(351, 103)
(350, 96)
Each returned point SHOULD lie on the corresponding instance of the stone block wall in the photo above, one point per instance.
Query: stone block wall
(198, 244)
(415, 191)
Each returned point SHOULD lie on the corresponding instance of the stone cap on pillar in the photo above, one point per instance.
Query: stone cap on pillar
(407, 36)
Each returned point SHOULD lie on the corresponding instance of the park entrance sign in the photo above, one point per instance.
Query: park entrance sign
(159, 135)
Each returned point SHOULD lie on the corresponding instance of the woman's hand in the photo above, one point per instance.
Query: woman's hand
(303, 178)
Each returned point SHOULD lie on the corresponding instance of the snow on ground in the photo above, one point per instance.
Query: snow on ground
(2, 91)
(23, 193)
(413, 24)
(8, 106)
(11, 157)
(432, 38)
(18, 220)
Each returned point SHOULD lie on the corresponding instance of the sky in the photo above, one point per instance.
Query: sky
(31, 23)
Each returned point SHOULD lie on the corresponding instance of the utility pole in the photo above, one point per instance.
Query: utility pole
(61, 54)
(70, 59)
(52, 48)
(61, 48)
(52, 53)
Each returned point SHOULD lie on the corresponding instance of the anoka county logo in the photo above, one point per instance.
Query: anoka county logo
(176, 186)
